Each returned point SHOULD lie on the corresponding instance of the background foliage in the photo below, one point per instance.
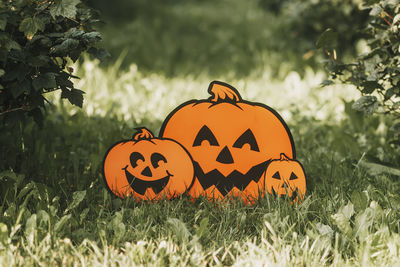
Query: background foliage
(376, 72)
(37, 40)
(238, 37)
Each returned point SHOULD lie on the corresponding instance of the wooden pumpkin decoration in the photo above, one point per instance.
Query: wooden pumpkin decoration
(230, 140)
(148, 168)
(286, 177)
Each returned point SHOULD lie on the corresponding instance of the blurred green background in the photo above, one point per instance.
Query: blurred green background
(176, 37)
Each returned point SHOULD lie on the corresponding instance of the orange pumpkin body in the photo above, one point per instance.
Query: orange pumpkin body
(286, 177)
(230, 140)
(148, 168)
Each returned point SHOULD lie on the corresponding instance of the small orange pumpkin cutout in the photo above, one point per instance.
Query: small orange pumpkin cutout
(286, 177)
(231, 141)
(148, 168)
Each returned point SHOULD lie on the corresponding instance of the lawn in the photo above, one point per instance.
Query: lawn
(55, 209)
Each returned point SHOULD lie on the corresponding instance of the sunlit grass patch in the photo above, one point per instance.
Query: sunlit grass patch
(133, 96)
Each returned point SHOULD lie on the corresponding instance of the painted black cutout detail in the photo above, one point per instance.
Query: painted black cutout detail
(247, 138)
(205, 134)
(140, 186)
(134, 157)
(225, 156)
(293, 176)
(146, 172)
(156, 158)
(235, 179)
(276, 176)
(284, 185)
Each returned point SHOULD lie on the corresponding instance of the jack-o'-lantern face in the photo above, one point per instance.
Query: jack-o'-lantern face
(230, 140)
(286, 177)
(148, 168)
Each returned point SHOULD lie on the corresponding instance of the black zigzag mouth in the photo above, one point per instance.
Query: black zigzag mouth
(140, 186)
(235, 179)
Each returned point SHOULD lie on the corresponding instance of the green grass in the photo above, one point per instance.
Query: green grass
(55, 210)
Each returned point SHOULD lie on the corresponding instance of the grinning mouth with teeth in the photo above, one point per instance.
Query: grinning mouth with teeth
(235, 179)
(140, 186)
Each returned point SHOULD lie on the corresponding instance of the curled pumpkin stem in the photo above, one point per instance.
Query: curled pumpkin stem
(142, 133)
(222, 92)
(284, 157)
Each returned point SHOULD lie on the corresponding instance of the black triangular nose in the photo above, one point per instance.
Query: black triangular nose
(146, 172)
(225, 156)
(284, 185)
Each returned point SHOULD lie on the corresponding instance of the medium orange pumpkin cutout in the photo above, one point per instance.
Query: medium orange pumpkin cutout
(286, 177)
(148, 168)
(231, 141)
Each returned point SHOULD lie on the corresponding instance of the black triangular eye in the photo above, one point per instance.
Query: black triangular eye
(247, 138)
(276, 176)
(135, 156)
(293, 176)
(156, 158)
(205, 134)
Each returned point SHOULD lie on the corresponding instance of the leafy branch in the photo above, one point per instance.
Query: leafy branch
(375, 74)
(37, 40)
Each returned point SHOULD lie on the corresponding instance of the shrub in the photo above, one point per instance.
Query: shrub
(302, 22)
(375, 73)
(38, 40)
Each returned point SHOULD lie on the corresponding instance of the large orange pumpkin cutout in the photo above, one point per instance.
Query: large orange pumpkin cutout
(230, 140)
(148, 168)
(286, 177)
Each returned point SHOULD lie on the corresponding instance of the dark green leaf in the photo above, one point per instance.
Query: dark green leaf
(46, 81)
(74, 54)
(19, 88)
(39, 61)
(11, 44)
(17, 73)
(367, 104)
(29, 26)
(43, 40)
(64, 82)
(327, 39)
(65, 47)
(74, 33)
(389, 93)
(36, 99)
(92, 37)
(64, 8)
(75, 96)
(1, 72)
(370, 86)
